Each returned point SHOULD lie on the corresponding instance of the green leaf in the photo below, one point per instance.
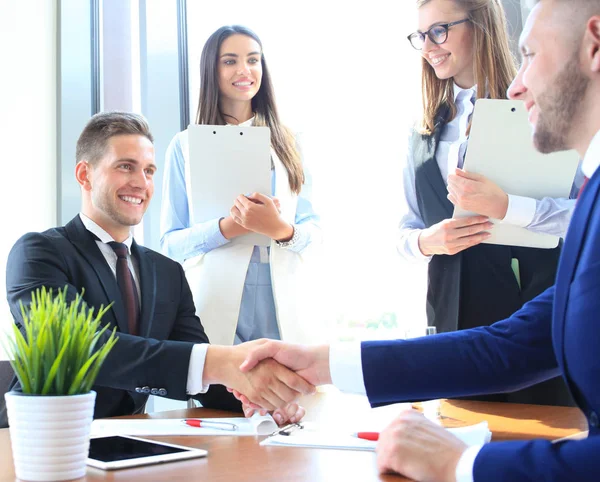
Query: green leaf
(56, 350)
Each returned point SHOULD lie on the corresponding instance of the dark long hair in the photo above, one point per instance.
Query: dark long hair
(263, 103)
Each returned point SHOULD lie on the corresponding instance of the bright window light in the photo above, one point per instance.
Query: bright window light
(347, 80)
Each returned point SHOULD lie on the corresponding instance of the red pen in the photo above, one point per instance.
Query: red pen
(373, 436)
(197, 422)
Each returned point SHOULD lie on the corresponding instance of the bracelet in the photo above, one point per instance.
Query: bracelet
(291, 242)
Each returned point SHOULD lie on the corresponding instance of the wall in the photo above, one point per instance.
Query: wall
(28, 30)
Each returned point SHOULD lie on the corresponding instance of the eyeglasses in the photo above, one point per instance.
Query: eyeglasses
(438, 34)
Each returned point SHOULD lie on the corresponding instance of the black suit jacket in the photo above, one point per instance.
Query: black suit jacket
(157, 359)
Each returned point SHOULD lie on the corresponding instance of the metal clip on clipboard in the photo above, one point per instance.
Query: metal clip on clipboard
(288, 429)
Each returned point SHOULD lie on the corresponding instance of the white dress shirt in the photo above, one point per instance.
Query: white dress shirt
(548, 215)
(198, 356)
(591, 161)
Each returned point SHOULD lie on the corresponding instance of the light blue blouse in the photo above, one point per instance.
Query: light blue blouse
(181, 239)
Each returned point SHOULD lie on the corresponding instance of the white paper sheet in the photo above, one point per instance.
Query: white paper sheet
(313, 436)
(256, 425)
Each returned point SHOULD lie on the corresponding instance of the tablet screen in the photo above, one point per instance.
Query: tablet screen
(112, 449)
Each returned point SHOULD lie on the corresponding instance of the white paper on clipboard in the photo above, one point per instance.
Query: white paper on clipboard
(501, 148)
(226, 161)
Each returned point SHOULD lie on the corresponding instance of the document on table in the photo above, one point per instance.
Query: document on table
(255, 425)
(335, 436)
(312, 436)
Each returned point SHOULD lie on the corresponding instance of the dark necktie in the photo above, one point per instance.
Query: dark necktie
(585, 181)
(127, 287)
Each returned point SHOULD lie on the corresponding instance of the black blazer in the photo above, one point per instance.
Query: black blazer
(159, 357)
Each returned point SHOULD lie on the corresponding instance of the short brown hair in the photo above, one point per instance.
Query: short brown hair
(91, 144)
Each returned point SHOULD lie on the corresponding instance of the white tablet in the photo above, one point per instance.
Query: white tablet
(120, 452)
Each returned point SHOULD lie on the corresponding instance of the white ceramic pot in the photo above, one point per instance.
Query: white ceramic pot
(50, 435)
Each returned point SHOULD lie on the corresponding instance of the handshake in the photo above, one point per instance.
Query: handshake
(269, 375)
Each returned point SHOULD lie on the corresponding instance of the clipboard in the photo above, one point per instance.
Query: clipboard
(224, 162)
(501, 148)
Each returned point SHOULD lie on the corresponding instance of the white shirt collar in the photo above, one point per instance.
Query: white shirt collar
(104, 237)
(458, 90)
(591, 160)
(248, 123)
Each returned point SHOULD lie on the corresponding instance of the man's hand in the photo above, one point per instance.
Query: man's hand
(476, 193)
(310, 362)
(292, 413)
(419, 449)
(452, 236)
(261, 214)
(269, 385)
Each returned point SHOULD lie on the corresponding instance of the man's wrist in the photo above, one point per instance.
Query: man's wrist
(218, 367)
(321, 357)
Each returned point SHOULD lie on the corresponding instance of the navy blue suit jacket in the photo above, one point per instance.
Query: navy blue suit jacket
(159, 357)
(557, 333)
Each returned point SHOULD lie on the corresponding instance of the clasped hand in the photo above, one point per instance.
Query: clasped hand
(309, 364)
(261, 214)
(411, 445)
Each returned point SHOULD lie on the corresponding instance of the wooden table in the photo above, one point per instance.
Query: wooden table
(238, 459)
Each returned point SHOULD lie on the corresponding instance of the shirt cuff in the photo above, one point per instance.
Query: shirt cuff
(413, 245)
(464, 468)
(196, 370)
(521, 211)
(212, 235)
(345, 365)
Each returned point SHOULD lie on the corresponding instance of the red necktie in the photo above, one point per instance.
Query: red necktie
(127, 287)
(585, 181)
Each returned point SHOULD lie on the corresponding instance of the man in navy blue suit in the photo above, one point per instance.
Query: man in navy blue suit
(557, 333)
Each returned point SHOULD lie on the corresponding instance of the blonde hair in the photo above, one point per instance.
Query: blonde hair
(494, 65)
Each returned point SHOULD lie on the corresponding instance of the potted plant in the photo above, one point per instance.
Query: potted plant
(56, 358)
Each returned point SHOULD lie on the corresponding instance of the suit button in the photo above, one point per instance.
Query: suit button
(138, 390)
(594, 420)
(154, 391)
(162, 392)
(146, 390)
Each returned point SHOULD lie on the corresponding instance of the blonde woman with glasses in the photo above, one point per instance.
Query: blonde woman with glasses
(465, 56)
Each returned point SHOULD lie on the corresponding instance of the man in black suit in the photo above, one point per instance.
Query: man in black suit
(162, 347)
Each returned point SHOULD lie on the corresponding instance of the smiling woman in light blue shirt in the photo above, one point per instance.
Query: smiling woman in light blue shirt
(243, 292)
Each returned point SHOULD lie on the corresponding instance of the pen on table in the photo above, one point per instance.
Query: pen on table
(373, 436)
(196, 422)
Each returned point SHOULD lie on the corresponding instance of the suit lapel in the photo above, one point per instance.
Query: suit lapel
(570, 258)
(84, 242)
(147, 275)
